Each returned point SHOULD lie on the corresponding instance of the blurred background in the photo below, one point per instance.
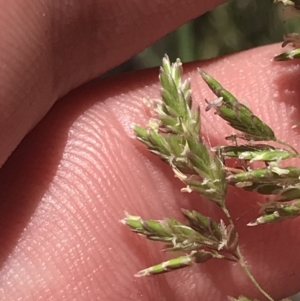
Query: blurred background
(234, 26)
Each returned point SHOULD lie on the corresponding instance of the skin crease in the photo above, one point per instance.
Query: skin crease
(70, 180)
(51, 47)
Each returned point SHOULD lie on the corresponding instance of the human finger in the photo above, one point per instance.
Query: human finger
(67, 186)
(49, 48)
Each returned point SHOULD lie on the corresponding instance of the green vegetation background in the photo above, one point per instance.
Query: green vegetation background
(234, 26)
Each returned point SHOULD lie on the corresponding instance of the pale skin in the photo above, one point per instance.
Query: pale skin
(66, 186)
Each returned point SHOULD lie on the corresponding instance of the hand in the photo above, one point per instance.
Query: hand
(68, 183)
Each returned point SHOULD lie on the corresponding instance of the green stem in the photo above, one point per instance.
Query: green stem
(242, 261)
(288, 145)
(251, 277)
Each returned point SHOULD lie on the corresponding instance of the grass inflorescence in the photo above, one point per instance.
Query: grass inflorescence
(175, 136)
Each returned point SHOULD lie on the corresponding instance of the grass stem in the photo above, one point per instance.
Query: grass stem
(243, 264)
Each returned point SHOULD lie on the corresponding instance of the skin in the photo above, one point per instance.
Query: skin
(67, 184)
